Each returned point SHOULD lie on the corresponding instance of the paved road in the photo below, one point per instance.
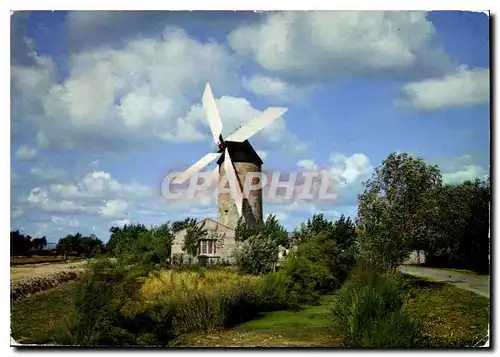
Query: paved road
(479, 285)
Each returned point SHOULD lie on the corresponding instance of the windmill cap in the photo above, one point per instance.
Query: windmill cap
(241, 152)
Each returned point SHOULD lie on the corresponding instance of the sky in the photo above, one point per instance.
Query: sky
(105, 104)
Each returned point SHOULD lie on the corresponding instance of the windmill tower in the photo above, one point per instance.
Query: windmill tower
(245, 161)
(236, 159)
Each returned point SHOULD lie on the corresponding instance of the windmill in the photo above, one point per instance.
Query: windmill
(236, 158)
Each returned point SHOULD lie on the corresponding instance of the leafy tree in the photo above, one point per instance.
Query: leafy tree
(39, 243)
(259, 249)
(461, 238)
(194, 232)
(79, 244)
(178, 226)
(394, 210)
(314, 226)
(122, 239)
(19, 243)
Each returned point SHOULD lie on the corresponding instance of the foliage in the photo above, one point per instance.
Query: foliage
(80, 244)
(315, 225)
(395, 208)
(461, 238)
(369, 307)
(194, 232)
(122, 239)
(21, 244)
(178, 226)
(258, 253)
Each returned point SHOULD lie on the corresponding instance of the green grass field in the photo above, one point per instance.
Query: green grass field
(450, 317)
(40, 259)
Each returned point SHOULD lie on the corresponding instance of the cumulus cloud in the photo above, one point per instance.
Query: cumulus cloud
(464, 87)
(234, 113)
(97, 193)
(100, 185)
(320, 46)
(114, 208)
(351, 168)
(275, 89)
(129, 94)
(40, 198)
(25, 153)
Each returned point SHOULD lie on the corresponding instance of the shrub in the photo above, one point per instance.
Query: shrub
(101, 300)
(368, 308)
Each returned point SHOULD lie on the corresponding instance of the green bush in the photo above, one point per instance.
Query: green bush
(368, 309)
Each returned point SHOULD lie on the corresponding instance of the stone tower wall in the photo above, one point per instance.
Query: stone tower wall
(252, 206)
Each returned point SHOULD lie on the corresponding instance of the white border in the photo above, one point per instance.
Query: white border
(477, 5)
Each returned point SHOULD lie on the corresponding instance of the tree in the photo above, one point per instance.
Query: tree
(194, 232)
(462, 227)
(395, 209)
(178, 226)
(79, 244)
(314, 226)
(258, 253)
(39, 243)
(19, 243)
(122, 239)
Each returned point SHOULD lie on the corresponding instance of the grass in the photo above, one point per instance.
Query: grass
(181, 282)
(39, 259)
(307, 327)
(449, 316)
(37, 318)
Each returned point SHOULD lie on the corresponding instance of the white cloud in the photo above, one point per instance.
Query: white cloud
(96, 193)
(134, 93)
(115, 208)
(308, 165)
(275, 89)
(352, 168)
(66, 222)
(319, 46)
(462, 88)
(25, 153)
(465, 173)
(100, 185)
(40, 198)
(235, 112)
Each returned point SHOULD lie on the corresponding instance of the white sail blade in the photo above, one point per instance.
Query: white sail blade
(256, 124)
(204, 161)
(212, 113)
(234, 185)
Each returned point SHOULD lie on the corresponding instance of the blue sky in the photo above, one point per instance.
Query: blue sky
(104, 104)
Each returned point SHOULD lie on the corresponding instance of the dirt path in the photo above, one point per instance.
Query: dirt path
(477, 284)
(21, 272)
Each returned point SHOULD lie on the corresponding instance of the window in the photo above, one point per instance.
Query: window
(210, 247)
(203, 247)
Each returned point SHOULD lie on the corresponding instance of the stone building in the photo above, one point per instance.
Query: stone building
(219, 244)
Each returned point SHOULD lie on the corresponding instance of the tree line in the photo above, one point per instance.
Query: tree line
(405, 206)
